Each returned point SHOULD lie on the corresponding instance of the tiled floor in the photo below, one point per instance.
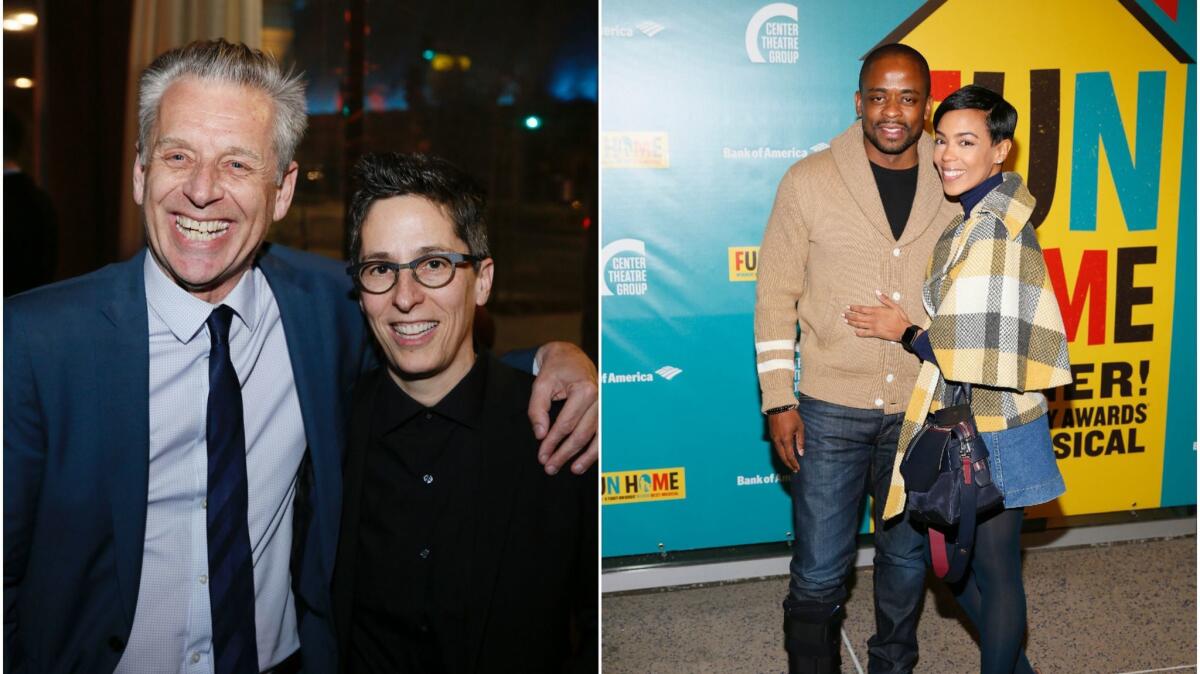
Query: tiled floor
(1120, 608)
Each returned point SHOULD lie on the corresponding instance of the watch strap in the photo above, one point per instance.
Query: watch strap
(910, 334)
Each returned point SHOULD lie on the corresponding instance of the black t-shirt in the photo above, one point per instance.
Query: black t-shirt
(897, 189)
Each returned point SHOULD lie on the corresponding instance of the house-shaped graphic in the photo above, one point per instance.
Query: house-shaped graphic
(1105, 140)
(1170, 8)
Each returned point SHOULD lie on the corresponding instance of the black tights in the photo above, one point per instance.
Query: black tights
(993, 596)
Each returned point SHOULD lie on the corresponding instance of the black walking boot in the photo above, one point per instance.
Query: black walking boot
(812, 635)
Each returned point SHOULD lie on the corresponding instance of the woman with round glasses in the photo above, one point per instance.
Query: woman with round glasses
(995, 324)
(432, 271)
(439, 459)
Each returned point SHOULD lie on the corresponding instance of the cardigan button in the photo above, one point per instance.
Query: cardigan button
(879, 402)
(895, 252)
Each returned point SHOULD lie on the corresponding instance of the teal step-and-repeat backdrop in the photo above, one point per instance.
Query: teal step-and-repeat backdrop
(704, 106)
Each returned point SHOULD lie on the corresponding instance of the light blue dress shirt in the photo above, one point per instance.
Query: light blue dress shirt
(172, 627)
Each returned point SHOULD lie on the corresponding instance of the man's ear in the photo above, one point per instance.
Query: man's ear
(287, 188)
(139, 179)
(858, 104)
(483, 281)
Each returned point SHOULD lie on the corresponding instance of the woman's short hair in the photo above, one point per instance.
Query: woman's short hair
(383, 175)
(1001, 115)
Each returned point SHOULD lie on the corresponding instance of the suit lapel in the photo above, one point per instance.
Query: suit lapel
(314, 372)
(121, 378)
(501, 480)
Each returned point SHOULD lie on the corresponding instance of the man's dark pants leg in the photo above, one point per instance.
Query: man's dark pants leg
(845, 450)
(899, 569)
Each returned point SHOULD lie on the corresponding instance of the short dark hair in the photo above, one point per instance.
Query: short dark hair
(894, 49)
(1001, 115)
(393, 174)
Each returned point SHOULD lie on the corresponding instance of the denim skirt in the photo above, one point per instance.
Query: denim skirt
(1023, 464)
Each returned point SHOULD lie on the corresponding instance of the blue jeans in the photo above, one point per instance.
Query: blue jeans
(846, 452)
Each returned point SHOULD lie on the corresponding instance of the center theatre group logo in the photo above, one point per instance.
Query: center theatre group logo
(652, 484)
(773, 34)
(623, 268)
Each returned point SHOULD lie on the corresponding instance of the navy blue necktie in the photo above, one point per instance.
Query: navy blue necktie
(230, 571)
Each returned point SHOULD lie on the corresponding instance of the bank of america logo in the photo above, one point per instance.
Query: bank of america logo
(668, 372)
(650, 28)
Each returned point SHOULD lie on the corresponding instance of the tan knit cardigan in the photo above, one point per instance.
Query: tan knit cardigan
(828, 245)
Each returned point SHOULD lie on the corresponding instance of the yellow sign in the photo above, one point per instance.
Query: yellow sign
(743, 263)
(635, 149)
(1107, 99)
(632, 486)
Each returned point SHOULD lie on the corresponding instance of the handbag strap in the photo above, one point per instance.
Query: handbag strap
(937, 552)
(950, 558)
(964, 391)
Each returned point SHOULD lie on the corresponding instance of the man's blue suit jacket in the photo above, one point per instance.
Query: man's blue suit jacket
(76, 454)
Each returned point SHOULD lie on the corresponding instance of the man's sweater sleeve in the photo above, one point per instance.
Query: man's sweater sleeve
(781, 265)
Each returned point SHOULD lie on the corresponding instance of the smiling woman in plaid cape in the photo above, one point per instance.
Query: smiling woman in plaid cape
(995, 324)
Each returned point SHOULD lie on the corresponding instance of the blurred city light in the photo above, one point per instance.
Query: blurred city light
(444, 62)
(533, 122)
(20, 21)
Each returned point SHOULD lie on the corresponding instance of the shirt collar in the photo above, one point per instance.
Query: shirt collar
(183, 313)
(969, 199)
(463, 404)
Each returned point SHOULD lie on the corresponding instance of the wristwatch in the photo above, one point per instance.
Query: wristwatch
(906, 340)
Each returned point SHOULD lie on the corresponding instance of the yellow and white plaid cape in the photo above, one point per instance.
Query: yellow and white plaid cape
(995, 322)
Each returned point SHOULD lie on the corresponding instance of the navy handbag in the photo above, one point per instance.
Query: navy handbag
(949, 483)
